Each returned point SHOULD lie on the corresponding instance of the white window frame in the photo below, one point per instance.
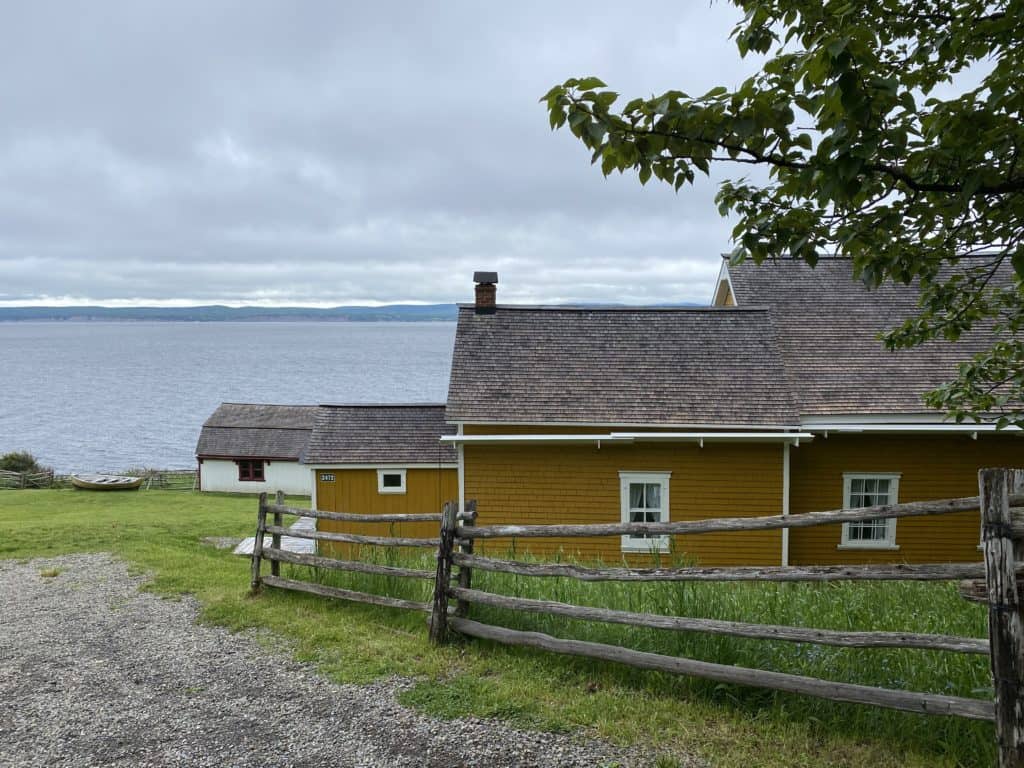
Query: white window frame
(380, 481)
(889, 542)
(656, 543)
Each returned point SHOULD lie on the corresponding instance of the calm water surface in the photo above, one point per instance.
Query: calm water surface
(108, 396)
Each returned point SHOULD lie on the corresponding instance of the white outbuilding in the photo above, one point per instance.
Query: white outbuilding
(253, 447)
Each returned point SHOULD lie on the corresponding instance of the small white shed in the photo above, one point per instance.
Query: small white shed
(253, 447)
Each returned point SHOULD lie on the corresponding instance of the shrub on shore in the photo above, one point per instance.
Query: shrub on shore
(21, 461)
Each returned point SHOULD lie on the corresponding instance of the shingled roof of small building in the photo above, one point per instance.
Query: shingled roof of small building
(618, 366)
(828, 325)
(380, 434)
(256, 431)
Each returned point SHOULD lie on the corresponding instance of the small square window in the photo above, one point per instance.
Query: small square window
(870, 490)
(390, 481)
(250, 470)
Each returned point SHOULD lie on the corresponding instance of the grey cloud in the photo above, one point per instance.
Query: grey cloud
(331, 153)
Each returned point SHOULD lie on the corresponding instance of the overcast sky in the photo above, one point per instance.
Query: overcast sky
(331, 153)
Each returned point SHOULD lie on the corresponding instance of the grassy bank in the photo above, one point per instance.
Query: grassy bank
(161, 532)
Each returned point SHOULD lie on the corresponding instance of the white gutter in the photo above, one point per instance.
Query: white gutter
(715, 437)
(634, 437)
(874, 428)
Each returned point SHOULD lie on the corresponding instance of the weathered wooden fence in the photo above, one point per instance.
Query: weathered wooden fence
(18, 480)
(171, 480)
(276, 555)
(994, 582)
(1000, 500)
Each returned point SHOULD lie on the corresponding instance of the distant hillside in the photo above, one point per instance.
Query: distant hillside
(392, 312)
(217, 313)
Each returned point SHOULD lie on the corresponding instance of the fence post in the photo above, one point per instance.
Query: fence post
(439, 611)
(275, 539)
(467, 520)
(1005, 624)
(257, 545)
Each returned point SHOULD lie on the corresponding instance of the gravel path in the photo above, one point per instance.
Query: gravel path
(94, 672)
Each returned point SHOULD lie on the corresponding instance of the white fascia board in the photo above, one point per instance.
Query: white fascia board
(634, 437)
(627, 426)
(924, 417)
(551, 439)
(909, 428)
(715, 437)
(384, 465)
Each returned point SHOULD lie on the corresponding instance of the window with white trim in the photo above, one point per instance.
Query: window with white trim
(644, 499)
(390, 481)
(862, 489)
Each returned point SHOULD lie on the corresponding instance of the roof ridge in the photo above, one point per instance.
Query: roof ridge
(382, 405)
(274, 405)
(249, 426)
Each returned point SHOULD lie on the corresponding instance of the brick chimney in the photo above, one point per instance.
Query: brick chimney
(486, 293)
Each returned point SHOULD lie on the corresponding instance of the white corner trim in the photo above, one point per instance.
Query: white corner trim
(460, 451)
(785, 502)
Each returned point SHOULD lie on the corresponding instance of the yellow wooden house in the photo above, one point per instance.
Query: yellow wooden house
(381, 459)
(776, 399)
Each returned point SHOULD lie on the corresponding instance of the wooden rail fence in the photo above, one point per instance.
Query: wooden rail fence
(1000, 499)
(994, 582)
(276, 555)
(18, 480)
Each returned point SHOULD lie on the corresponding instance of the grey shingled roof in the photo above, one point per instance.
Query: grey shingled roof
(380, 434)
(254, 430)
(828, 327)
(680, 366)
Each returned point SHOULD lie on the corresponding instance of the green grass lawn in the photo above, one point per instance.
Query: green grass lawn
(159, 532)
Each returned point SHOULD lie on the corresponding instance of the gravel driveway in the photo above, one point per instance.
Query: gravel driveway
(94, 672)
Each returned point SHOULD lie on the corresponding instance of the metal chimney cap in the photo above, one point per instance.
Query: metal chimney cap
(485, 277)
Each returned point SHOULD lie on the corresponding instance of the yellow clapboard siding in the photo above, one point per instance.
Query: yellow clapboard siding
(531, 484)
(355, 491)
(931, 467)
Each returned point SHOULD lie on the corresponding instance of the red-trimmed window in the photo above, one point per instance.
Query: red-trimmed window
(250, 469)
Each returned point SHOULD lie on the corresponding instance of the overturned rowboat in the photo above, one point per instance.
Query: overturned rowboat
(105, 482)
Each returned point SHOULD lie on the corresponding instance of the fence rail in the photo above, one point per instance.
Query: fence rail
(820, 573)
(276, 555)
(727, 524)
(908, 701)
(353, 517)
(352, 538)
(731, 628)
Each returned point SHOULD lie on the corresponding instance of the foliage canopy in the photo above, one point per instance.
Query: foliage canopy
(891, 131)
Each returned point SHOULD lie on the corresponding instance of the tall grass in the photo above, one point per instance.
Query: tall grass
(908, 606)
